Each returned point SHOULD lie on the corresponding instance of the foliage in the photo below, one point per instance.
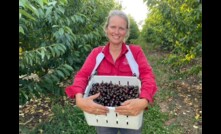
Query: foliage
(54, 40)
(134, 31)
(175, 26)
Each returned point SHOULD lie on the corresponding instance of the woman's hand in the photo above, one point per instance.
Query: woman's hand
(132, 107)
(89, 106)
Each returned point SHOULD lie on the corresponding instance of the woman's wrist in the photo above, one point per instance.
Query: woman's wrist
(146, 102)
(78, 97)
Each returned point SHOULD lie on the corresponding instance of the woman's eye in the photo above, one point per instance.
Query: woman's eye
(112, 27)
(121, 28)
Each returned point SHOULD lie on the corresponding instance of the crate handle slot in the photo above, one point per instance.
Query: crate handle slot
(106, 121)
(127, 122)
(116, 114)
(97, 120)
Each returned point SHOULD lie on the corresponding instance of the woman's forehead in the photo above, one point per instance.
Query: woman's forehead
(118, 20)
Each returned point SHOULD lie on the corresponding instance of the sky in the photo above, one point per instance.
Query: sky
(136, 8)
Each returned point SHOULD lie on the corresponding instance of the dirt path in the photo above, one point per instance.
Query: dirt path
(181, 98)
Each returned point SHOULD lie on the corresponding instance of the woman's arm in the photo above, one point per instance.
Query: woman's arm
(147, 77)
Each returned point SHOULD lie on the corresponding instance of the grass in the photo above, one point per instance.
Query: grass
(66, 120)
(70, 120)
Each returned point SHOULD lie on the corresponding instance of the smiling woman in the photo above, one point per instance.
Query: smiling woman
(109, 60)
(136, 8)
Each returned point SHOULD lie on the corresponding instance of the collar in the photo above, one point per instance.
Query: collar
(107, 54)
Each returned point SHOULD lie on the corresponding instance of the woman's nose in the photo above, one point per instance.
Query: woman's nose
(116, 31)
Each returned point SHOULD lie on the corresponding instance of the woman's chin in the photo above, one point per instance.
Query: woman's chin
(116, 41)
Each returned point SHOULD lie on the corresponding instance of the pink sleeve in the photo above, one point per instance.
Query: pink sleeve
(81, 77)
(148, 82)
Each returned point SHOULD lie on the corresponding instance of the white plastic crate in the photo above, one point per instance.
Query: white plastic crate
(113, 119)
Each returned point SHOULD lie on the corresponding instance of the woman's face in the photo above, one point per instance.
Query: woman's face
(116, 30)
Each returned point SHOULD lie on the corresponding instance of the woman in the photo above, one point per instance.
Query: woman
(115, 63)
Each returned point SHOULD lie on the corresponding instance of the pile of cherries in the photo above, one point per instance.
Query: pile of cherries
(113, 95)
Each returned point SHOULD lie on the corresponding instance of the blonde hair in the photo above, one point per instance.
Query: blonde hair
(120, 14)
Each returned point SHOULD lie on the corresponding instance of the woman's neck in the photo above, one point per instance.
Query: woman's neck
(115, 51)
(115, 48)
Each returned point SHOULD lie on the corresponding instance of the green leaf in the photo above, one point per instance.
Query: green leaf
(61, 31)
(30, 61)
(37, 56)
(73, 18)
(68, 29)
(54, 78)
(48, 56)
(60, 74)
(48, 12)
(53, 3)
(21, 3)
(57, 51)
(68, 67)
(40, 2)
(68, 21)
(52, 51)
(24, 94)
(22, 66)
(61, 9)
(26, 59)
(61, 48)
(33, 9)
(48, 80)
(38, 88)
(65, 71)
(21, 30)
(42, 53)
(45, 1)
(41, 12)
(23, 12)
(30, 88)
(55, 26)
(63, 2)
(77, 54)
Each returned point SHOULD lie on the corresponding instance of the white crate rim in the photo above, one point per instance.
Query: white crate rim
(113, 119)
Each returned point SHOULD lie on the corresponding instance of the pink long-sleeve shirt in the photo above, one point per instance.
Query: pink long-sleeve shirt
(118, 68)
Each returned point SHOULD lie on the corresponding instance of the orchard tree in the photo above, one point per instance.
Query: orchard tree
(175, 26)
(134, 31)
(54, 39)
